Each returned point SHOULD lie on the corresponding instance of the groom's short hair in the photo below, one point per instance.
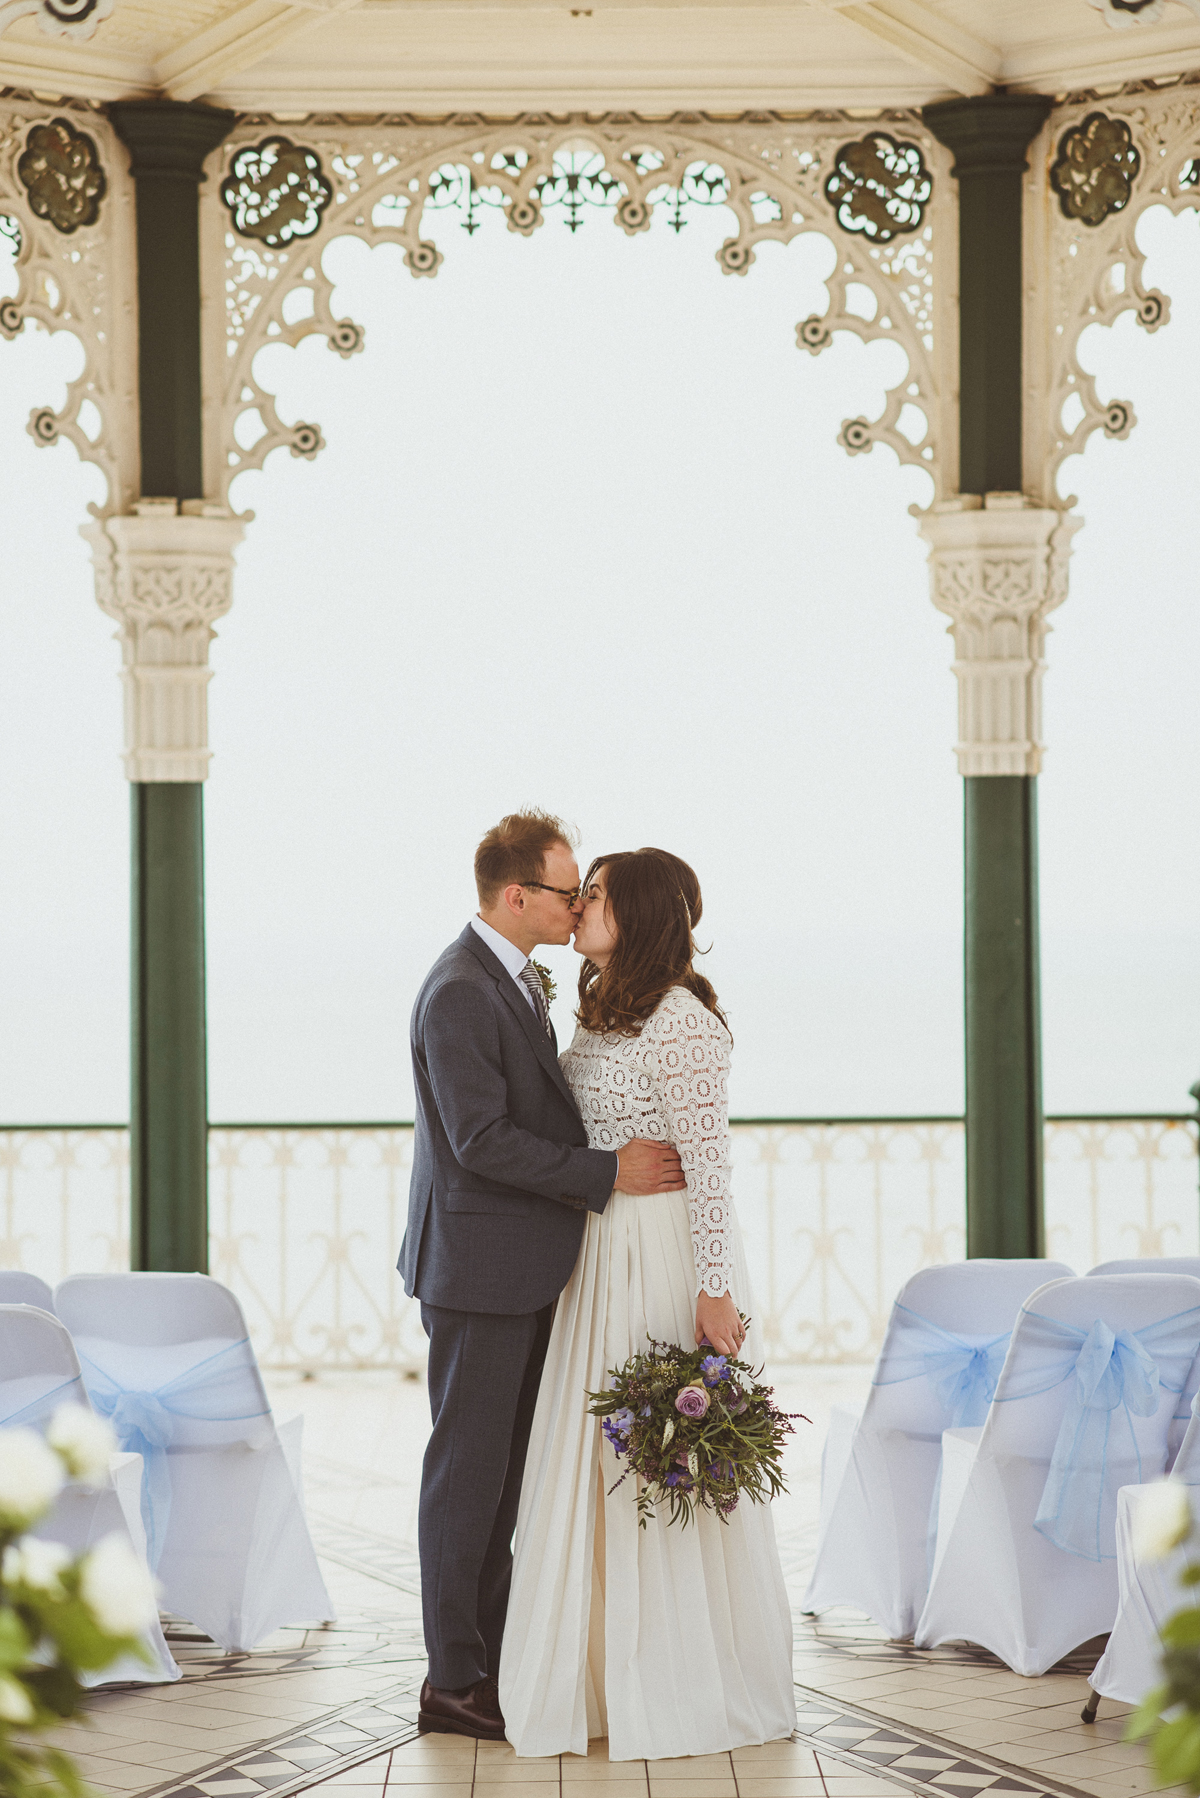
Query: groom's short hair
(514, 851)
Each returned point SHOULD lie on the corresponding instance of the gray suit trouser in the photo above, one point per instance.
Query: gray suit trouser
(484, 1372)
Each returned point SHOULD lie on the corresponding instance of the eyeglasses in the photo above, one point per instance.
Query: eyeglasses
(570, 894)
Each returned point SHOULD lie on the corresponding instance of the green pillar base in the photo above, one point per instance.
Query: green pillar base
(1004, 1106)
(169, 1122)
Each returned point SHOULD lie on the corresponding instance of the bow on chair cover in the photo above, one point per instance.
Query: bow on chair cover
(1118, 1375)
(223, 1388)
(962, 1370)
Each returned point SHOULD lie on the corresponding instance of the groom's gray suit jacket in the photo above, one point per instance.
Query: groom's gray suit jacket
(501, 1174)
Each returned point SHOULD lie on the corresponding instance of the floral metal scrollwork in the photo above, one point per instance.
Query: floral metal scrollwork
(58, 18)
(276, 191)
(11, 319)
(879, 187)
(60, 170)
(1094, 171)
(389, 182)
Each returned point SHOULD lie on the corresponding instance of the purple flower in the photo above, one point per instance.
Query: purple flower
(680, 1479)
(691, 1401)
(713, 1369)
(736, 1401)
(617, 1427)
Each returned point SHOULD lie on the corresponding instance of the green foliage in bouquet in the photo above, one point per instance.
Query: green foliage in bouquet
(696, 1428)
(1169, 1716)
(60, 1615)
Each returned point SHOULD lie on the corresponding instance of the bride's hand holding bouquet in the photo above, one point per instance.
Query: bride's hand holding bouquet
(696, 1427)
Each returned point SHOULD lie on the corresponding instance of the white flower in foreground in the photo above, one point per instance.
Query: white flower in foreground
(84, 1441)
(14, 1701)
(117, 1588)
(32, 1562)
(1162, 1519)
(31, 1476)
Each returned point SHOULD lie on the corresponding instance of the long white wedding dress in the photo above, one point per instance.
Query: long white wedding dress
(669, 1641)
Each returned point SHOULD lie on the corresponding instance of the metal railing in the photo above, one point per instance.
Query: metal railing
(306, 1220)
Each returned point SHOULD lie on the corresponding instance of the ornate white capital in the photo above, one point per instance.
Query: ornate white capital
(997, 569)
(165, 579)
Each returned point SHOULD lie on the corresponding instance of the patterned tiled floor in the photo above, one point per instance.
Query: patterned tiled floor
(333, 1711)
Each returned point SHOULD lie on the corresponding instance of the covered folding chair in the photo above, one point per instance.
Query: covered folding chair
(1148, 1592)
(1026, 1542)
(945, 1345)
(168, 1358)
(17, 1288)
(39, 1371)
(1165, 1264)
(1151, 1264)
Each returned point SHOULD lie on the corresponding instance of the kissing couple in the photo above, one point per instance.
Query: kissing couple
(561, 1211)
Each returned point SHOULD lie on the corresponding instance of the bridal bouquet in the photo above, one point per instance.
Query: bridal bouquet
(695, 1427)
(1170, 1715)
(61, 1615)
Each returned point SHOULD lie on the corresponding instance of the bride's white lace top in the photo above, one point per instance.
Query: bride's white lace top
(670, 1084)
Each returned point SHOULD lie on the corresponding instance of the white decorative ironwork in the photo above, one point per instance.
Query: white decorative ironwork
(1120, 1188)
(1083, 273)
(998, 568)
(64, 1201)
(306, 1222)
(79, 278)
(272, 204)
(166, 579)
(1121, 14)
(76, 19)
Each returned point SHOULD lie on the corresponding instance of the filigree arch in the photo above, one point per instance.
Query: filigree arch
(64, 185)
(1098, 166)
(276, 198)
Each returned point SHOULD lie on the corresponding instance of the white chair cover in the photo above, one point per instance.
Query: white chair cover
(941, 1358)
(168, 1359)
(39, 1371)
(1166, 1264)
(17, 1288)
(1148, 1592)
(1151, 1264)
(1026, 1544)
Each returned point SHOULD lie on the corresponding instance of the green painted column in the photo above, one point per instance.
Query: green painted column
(168, 143)
(989, 137)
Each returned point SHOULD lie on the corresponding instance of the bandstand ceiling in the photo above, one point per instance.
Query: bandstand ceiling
(292, 57)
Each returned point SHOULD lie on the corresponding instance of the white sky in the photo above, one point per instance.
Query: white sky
(583, 537)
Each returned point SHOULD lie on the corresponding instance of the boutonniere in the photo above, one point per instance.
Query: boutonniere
(549, 990)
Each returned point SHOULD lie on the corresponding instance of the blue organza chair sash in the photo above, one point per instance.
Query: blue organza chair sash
(223, 1388)
(1116, 1375)
(963, 1370)
(40, 1410)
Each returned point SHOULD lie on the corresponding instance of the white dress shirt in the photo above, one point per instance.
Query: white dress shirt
(507, 954)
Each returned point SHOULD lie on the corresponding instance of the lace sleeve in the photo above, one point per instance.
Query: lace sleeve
(691, 1049)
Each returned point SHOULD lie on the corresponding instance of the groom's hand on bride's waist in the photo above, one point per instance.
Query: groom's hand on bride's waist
(647, 1167)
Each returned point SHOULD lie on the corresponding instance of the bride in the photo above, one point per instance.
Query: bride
(668, 1641)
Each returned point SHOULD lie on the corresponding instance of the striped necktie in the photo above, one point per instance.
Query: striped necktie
(531, 981)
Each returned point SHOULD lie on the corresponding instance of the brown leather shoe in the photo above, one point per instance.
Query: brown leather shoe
(471, 1711)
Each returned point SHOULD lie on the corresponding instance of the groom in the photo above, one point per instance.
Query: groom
(501, 1182)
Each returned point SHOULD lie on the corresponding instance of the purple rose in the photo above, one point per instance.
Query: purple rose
(691, 1401)
(736, 1401)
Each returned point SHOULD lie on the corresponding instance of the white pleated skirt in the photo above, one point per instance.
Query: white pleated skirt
(670, 1641)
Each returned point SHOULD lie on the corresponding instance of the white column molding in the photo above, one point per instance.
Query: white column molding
(997, 569)
(166, 579)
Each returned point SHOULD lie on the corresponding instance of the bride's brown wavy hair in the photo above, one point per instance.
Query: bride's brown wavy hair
(654, 901)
